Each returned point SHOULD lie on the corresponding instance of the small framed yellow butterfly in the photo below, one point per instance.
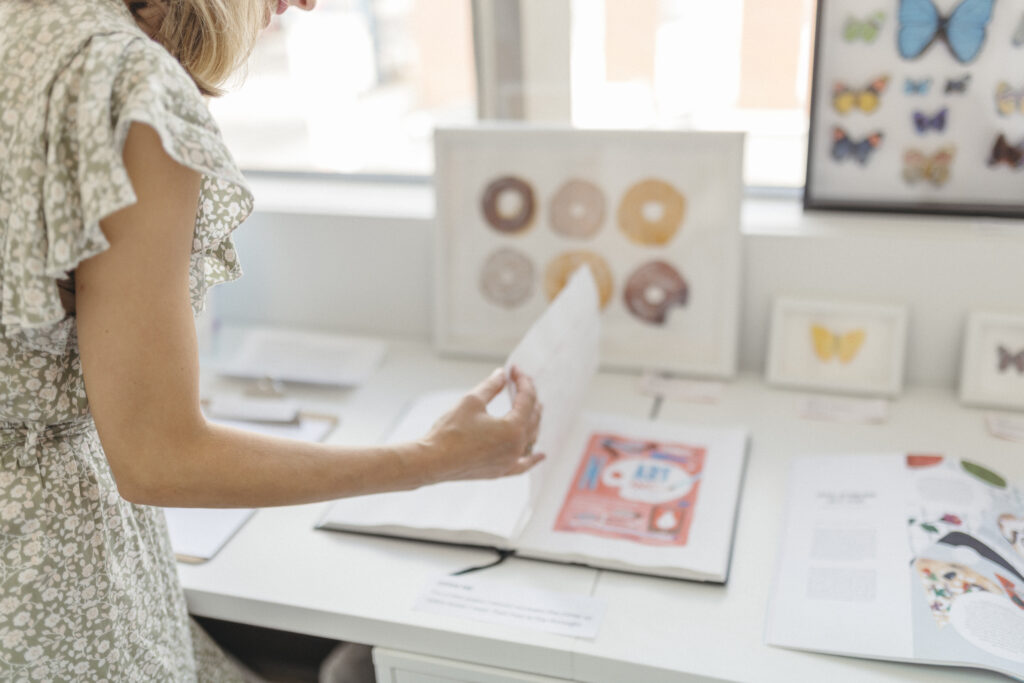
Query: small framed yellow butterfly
(841, 346)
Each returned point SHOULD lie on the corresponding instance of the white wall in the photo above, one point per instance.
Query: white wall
(374, 274)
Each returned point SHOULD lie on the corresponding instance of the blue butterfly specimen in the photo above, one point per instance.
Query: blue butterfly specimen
(958, 86)
(920, 25)
(913, 86)
(923, 123)
(843, 146)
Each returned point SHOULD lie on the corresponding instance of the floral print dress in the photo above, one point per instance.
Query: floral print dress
(88, 584)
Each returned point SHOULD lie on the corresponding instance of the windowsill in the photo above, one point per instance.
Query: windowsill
(760, 216)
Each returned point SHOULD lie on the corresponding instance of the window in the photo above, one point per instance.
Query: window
(358, 85)
(355, 87)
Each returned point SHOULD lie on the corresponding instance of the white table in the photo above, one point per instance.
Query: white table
(279, 572)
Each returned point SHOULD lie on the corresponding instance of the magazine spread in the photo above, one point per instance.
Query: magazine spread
(613, 492)
(921, 554)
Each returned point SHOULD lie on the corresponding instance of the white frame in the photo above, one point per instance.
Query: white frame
(972, 384)
(721, 242)
(882, 378)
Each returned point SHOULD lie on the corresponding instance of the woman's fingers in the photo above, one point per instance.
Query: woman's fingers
(490, 387)
(525, 400)
(525, 462)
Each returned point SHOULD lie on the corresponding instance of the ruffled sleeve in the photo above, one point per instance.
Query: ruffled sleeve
(113, 81)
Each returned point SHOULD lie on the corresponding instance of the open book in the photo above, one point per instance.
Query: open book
(618, 493)
(909, 557)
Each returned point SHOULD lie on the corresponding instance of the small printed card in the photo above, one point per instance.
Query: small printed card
(842, 409)
(505, 603)
(680, 389)
(1009, 427)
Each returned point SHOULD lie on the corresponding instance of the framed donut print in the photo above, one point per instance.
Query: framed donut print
(655, 214)
(847, 348)
(917, 106)
(992, 372)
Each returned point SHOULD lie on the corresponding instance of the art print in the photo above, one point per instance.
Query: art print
(654, 215)
(638, 490)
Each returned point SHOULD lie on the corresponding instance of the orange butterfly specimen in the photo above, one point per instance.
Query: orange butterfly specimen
(935, 168)
(846, 99)
(829, 345)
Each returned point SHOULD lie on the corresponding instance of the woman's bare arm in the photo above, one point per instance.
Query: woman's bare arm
(139, 359)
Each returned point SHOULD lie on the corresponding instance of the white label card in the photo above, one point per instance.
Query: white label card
(505, 603)
(1009, 427)
(848, 410)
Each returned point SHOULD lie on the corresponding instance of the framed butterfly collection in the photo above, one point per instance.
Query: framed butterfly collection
(838, 347)
(918, 106)
(655, 214)
(992, 371)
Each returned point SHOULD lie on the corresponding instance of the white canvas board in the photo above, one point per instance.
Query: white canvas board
(696, 337)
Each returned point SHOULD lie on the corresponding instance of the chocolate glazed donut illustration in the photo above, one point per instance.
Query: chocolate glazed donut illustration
(565, 264)
(653, 290)
(506, 278)
(651, 212)
(508, 204)
(577, 209)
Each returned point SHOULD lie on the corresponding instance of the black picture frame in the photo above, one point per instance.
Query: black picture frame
(838, 180)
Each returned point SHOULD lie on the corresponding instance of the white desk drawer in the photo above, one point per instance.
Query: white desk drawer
(393, 666)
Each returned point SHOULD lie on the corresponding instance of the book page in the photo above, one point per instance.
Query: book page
(922, 554)
(488, 506)
(560, 353)
(642, 494)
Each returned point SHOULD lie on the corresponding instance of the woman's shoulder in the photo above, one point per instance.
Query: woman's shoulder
(42, 41)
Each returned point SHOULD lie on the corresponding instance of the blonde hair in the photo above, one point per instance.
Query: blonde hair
(211, 38)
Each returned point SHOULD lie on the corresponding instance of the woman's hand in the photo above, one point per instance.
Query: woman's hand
(469, 443)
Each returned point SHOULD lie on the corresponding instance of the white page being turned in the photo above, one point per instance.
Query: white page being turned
(561, 353)
(487, 511)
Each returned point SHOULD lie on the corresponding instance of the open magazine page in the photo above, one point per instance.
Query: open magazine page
(922, 554)
(641, 495)
(492, 509)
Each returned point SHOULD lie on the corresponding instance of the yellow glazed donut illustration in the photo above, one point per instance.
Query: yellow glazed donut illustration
(565, 264)
(651, 212)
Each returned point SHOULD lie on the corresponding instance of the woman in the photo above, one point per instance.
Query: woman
(117, 199)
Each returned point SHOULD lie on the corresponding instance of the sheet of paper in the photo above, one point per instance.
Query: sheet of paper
(1008, 427)
(560, 352)
(250, 409)
(492, 506)
(310, 357)
(197, 534)
(845, 409)
(680, 389)
(505, 603)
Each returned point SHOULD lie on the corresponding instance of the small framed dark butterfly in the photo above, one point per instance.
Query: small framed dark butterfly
(843, 147)
(1008, 359)
(1005, 153)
